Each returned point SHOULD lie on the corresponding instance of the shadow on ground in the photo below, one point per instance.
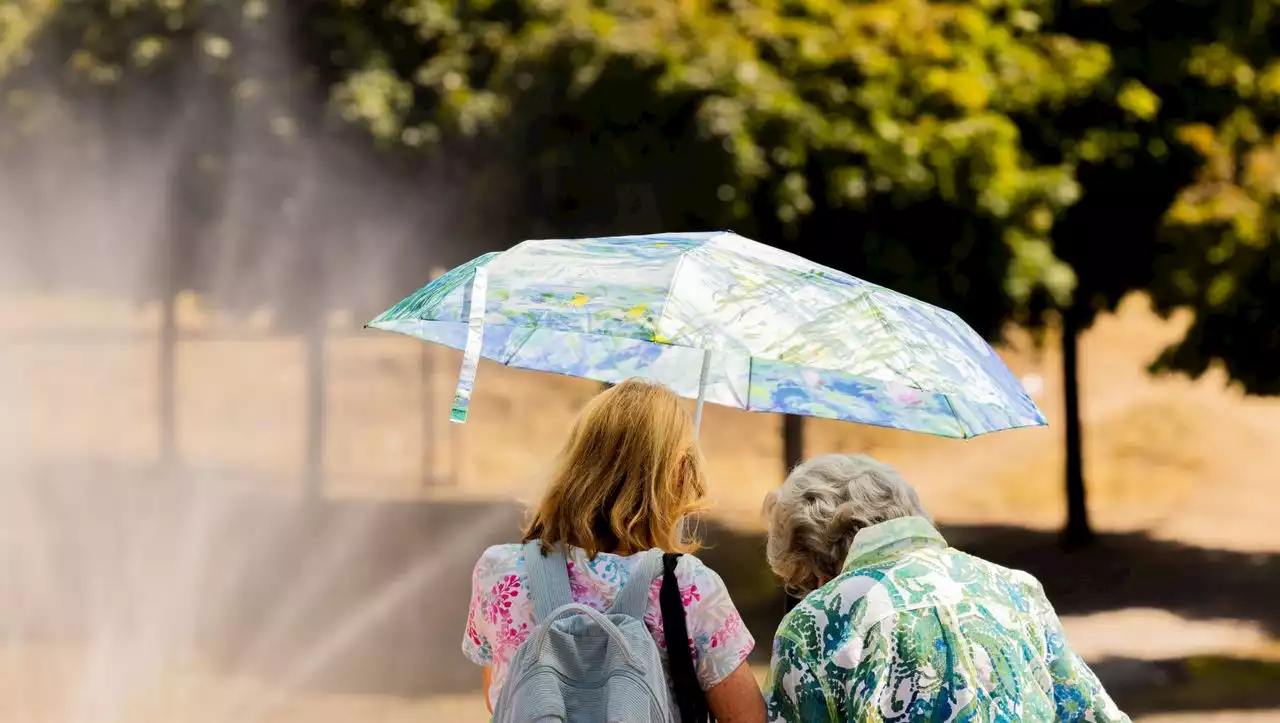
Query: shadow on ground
(1134, 570)
(363, 597)
(1195, 684)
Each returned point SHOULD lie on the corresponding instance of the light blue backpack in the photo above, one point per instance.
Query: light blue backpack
(580, 665)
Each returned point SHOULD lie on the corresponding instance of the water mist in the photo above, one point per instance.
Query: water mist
(137, 583)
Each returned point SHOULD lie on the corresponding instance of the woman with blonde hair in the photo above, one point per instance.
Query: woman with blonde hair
(626, 480)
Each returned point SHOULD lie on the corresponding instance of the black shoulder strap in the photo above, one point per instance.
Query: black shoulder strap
(690, 699)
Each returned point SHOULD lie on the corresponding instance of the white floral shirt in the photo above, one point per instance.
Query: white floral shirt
(501, 613)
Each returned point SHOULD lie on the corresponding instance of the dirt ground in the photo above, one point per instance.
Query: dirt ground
(1178, 603)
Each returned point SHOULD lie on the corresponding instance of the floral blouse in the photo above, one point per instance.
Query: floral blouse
(501, 613)
(915, 630)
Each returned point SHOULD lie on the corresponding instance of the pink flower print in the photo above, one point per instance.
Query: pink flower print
(472, 633)
(655, 590)
(577, 588)
(688, 594)
(510, 638)
(905, 395)
(731, 628)
(497, 604)
(653, 621)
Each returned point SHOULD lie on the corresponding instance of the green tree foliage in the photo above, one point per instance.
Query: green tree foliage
(993, 157)
(1221, 239)
(1175, 67)
(1223, 234)
(19, 20)
(830, 126)
(260, 176)
(879, 137)
(100, 81)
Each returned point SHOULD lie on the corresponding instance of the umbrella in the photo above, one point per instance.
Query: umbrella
(721, 318)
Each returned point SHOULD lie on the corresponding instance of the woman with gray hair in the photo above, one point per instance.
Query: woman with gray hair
(896, 625)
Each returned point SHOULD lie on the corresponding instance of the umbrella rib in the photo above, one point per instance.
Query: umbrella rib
(875, 311)
(666, 300)
(532, 329)
(956, 415)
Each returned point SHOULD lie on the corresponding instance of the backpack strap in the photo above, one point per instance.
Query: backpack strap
(633, 598)
(548, 579)
(690, 698)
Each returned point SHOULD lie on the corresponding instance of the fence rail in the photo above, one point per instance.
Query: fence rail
(26, 354)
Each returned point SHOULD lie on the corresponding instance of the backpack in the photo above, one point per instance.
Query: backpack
(581, 665)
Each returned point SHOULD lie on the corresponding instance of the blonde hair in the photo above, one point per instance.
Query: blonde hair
(824, 502)
(628, 476)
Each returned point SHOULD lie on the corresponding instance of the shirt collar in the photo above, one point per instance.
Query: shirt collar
(875, 543)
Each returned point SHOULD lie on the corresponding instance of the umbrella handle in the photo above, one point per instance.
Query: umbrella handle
(702, 390)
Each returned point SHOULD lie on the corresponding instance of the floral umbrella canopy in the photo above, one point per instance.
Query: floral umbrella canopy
(719, 317)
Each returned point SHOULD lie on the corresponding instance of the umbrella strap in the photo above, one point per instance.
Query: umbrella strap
(471, 353)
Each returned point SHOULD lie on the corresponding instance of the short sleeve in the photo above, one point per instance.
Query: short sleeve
(721, 642)
(477, 640)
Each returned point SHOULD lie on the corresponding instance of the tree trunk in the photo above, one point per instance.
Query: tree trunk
(1078, 532)
(430, 471)
(792, 442)
(314, 342)
(792, 455)
(166, 376)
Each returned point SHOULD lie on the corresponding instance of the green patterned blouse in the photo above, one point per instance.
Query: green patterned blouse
(914, 630)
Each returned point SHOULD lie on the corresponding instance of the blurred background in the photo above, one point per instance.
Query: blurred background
(222, 500)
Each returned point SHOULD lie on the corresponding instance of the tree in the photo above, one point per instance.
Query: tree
(1223, 264)
(875, 137)
(267, 174)
(1172, 68)
(938, 149)
(918, 111)
(1221, 236)
(266, 197)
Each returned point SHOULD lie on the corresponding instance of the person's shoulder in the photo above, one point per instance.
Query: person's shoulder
(994, 570)
(1029, 585)
(1007, 579)
(693, 573)
(510, 551)
(499, 561)
(1023, 579)
(688, 564)
(691, 567)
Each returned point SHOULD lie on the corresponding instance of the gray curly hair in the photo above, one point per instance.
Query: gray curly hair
(824, 502)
